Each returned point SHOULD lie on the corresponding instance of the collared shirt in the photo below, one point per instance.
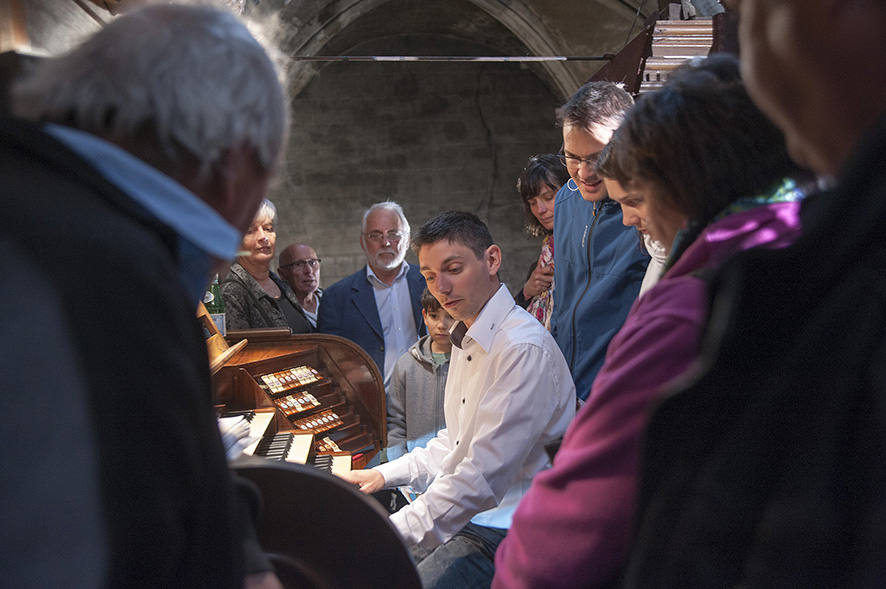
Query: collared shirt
(509, 393)
(203, 231)
(395, 312)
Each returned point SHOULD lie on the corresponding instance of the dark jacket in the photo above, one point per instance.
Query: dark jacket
(165, 488)
(348, 309)
(766, 469)
(248, 305)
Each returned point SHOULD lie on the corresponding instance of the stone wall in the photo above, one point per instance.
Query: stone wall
(433, 136)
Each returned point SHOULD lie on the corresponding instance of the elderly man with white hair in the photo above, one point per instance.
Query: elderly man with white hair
(379, 306)
(133, 167)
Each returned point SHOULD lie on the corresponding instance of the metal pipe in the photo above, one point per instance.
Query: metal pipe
(526, 58)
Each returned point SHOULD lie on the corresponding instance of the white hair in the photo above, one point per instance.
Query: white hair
(388, 205)
(266, 211)
(173, 81)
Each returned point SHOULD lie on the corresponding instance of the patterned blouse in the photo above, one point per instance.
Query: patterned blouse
(542, 305)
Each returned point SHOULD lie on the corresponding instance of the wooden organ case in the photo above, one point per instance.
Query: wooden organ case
(301, 504)
(336, 394)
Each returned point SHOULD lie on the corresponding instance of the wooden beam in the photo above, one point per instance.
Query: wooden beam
(111, 6)
(627, 65)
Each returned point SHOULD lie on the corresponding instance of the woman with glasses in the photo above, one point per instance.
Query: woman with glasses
(254, 296)
(542, 177)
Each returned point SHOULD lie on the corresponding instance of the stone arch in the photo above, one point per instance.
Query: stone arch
(533, 34)
(312, 36)
(314, 33)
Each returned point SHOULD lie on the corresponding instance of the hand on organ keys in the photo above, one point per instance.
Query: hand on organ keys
(235, 435)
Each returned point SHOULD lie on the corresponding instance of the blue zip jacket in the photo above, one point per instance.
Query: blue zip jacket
(598, 267)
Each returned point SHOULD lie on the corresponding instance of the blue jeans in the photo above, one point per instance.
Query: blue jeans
(466, 561)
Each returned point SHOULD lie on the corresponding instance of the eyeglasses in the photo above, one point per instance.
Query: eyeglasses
(299, 264)
(571, 160)
(378, 236)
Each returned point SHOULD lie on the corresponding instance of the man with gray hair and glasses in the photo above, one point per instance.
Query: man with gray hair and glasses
(379, 306)
(132, 169)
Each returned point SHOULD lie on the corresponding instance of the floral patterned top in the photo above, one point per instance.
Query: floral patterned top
(541, 306)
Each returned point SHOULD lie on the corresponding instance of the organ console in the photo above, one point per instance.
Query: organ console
(310, 396)
(310, 399)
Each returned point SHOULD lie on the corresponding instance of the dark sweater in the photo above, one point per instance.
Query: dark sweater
(766, 468)
(168, 511)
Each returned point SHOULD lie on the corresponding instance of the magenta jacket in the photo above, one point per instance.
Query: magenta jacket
(572, 528)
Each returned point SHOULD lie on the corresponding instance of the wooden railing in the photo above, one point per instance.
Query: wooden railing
(644, 64)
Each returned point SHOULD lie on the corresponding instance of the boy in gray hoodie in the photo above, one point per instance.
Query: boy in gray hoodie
(415, 396)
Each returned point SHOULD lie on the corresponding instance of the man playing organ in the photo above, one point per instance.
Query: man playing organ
(508, 394)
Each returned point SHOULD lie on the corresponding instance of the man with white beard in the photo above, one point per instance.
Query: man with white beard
(379, 306)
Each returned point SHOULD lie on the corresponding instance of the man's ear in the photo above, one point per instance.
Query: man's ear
(243, 184)
(493, 259)
(234, 185)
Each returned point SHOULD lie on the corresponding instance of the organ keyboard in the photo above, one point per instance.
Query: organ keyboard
(296, 447)
(315, 397)
(259, 421)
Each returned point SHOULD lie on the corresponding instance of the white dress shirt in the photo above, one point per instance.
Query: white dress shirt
(395, 313)
(509, 393)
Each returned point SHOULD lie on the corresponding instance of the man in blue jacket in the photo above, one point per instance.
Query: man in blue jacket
(598, 261)
(379, 306)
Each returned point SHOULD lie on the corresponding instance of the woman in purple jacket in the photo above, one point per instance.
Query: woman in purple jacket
(715, 178)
